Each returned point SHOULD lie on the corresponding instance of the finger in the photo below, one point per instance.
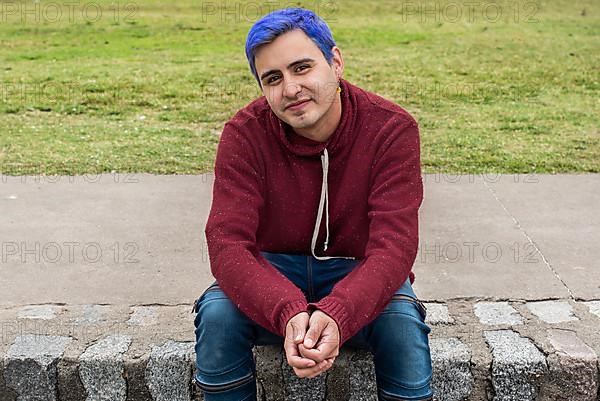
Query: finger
(296, 328)
(327, 364)
(298, 331)
(295, 331)
(314, 371)
(313, 334)
(294, 358)
(326, 347)
(301, 363)
(314, 354)
(319, 368)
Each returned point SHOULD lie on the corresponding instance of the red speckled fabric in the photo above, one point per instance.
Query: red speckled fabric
(266, 195)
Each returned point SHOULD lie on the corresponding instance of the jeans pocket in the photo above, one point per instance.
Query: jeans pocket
(213, 287)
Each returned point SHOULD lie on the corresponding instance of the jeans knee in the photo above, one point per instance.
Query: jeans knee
(401, 351)
(213, 316)
(401, 325)
(218, 316)
(224, 336)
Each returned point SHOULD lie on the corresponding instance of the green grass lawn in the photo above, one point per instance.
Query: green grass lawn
(148, 89)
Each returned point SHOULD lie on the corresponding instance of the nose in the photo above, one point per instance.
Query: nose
(291, 89)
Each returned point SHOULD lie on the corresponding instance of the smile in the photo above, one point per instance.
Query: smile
(298, 106)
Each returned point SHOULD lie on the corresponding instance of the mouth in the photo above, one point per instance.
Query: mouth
(298, 105)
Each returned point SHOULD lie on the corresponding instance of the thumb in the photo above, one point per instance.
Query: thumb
(299, 328)
(312, 336)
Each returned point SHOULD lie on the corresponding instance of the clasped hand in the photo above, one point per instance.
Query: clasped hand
(311, 343)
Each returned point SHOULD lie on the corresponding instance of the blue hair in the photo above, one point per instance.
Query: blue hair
(277, 22)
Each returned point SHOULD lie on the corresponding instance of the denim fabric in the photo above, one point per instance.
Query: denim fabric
(397, 338)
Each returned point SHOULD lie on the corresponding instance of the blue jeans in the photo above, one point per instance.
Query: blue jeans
(397, 338)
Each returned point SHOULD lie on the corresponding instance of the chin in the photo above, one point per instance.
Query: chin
(301, 123)
(304, 120)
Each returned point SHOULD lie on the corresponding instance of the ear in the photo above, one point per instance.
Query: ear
(338, 62)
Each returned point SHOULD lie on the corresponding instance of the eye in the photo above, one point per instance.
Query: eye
(270, 79)
(301, 66)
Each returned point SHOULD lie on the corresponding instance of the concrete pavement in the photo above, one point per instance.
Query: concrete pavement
(105, 268)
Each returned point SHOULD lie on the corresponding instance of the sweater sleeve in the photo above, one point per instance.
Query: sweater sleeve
(256, 287)
(395, 196)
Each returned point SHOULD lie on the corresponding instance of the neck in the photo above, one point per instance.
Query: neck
(326, 126)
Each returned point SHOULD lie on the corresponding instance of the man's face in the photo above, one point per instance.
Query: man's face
(293, 69)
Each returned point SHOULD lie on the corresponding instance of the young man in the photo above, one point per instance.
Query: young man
(313, 228)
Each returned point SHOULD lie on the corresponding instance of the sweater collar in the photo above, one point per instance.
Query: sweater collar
(302, 146)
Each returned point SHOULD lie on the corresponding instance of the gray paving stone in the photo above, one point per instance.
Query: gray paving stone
(30, 366)
(492, 313)
(269, 380)
(438, 314)
(594, 307)
(362, 377)
(169, 371)
(6, 394)
(573, 368)
(142, 316)
(517, 366)
(552, 311)
(451, 360)
(302, 389)
(135, 371)
(101, 369)
(44, 312)
(343, 385)
(352, 378)
(338, 378)
(91, 314)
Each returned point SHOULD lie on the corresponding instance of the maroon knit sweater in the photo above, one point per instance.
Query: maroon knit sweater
(269, 183)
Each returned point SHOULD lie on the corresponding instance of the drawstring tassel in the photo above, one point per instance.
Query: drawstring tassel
(324, 201)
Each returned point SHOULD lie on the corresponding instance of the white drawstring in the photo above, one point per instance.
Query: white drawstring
(324, 200)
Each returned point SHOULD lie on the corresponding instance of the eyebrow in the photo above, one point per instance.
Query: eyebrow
(303, 60)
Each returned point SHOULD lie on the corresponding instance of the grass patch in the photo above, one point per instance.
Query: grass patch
(147, 88)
